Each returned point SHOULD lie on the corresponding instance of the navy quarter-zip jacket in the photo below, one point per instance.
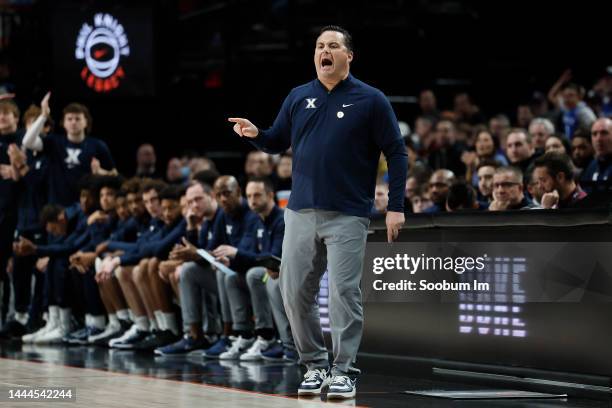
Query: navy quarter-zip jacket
(337, 137)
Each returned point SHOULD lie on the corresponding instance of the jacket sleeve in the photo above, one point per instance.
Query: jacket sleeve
(387, 136)
(247, 248)
(162, 247)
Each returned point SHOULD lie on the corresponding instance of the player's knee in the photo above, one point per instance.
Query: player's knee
(254, 277)
(188, 272)
(139, 275)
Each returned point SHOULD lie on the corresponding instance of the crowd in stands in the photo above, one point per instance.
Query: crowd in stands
(556, 152)
(187, 260)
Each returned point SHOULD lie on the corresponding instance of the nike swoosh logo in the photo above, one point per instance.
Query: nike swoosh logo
(346, 106)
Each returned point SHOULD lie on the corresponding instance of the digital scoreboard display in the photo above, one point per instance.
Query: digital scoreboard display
(103, 51)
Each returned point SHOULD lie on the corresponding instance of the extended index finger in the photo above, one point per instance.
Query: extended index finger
(236, 120)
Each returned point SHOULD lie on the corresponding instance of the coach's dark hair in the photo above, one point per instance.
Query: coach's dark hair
(268, 186)
(50, 213)
(556, 163)
(348, 39)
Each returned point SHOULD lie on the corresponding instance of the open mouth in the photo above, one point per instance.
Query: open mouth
(326, 62)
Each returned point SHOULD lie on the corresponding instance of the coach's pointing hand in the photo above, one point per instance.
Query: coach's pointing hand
(244, 127)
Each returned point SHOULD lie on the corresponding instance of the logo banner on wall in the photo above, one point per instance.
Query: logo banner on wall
(101, 46)
(103, 52)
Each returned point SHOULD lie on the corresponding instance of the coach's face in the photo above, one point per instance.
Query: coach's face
(332, 59)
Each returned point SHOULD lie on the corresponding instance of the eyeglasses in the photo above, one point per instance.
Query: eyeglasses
(505, 184)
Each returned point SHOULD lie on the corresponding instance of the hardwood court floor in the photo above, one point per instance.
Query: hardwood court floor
(107, 378)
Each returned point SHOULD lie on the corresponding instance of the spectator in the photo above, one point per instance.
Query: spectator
(282, 181)
(257, 164)
(412, 186)
(567, 97)
(428, 105)
(582, 151)
(146, 161)
(381, 200)
(540, 129)
(466, 111)
(423, 134)
(447, 154)
(602, 90)
(175, 172)
(439, 185)
(508, 190)
(461, 197)
(533, 187)
(485, 172)
(198, 164)
(524, 115)
(554, 174)
(599, 170)
(498, 126)
(557, 144)
(487, 148)
(420, 200)
(519, 149)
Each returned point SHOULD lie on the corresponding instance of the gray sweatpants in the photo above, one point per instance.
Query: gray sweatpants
(269, 291)
(241, 297)
(199, 294)
(314, 240)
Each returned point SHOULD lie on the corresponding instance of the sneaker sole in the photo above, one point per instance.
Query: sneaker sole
(210, 357)
(304, 392)
(341, 395)
(250, 358)
(123, 346)
(229, 357)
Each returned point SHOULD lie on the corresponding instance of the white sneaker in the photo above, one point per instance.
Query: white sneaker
(254, 352)
(132, 331)
(109, 330)
(341, 387)
(54, 336)
(30, 338)
(239, 346)
(314, 381)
